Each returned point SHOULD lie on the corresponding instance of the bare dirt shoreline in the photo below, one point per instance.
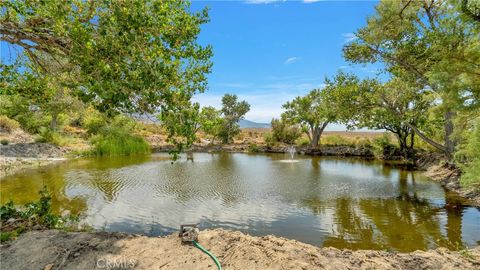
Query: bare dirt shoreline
(21, 156)
(235, 250)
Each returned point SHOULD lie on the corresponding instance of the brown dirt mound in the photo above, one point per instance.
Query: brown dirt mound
(31, 150)
(235, 250)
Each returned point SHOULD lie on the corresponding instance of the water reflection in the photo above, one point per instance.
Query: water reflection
(345, 203)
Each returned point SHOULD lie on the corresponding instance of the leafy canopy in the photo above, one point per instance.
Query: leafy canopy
(232, 112)
(118, 56)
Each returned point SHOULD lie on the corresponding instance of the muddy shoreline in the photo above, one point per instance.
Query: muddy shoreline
(235, 250)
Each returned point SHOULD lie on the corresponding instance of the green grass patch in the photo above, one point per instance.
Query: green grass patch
(117, 142)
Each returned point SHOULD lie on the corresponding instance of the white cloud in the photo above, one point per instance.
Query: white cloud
(349, 37)
(265, 100)
(310, 1)
(256, 2)
(344, 67)
(291, 60)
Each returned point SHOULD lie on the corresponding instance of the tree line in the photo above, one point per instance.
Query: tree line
(429, 86)
(86, 61)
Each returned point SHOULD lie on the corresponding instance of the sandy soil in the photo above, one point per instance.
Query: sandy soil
(235, 250)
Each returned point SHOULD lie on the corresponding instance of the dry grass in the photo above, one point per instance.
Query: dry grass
(257, 135)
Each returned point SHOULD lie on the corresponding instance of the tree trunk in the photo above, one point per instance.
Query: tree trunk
(430, 141)
(53, 122)
(317, 134)
(402, 140)
(315, 137)
(412, 139)
(449, 142)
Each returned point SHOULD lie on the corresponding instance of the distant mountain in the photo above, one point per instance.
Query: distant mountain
(244, 123)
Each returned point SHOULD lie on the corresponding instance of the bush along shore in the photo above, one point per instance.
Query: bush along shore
(35, 215)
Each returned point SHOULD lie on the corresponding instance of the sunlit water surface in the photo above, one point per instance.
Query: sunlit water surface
(344, 203)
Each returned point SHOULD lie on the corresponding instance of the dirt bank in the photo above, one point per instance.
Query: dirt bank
(20, 156)
(235, 250)
(338, 150)
(449, 176)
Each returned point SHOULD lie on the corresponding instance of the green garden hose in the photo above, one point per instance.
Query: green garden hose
(195, 243)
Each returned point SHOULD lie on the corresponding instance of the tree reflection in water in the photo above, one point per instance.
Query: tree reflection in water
(405, 223)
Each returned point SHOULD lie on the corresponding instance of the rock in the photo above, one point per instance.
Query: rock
(11, 220)
(48, 266)
(37, 227)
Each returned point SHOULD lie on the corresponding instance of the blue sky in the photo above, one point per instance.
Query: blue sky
(268, 52)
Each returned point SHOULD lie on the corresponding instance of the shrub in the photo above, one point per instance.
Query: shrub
(93, 121)
(126, 123)
(17, 108)
(268, 138)
(33, 213)
(8, 124)
(46, 135)
(302, 141)
(4, 142)
(284, 132)
(253, 148)
(382, 146)
(114, 141)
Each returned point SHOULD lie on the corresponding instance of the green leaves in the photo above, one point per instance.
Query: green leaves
(232, 111)
(431, 46)
(118, 56)
(211, 122)
(312, 112)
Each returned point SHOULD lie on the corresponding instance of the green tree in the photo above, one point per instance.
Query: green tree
(232, 112)
(41, 92)
(393, 106)
(210, 122)
(183, 122)
(428, 43)
(468, 156)
(312, 113)
(119, 56)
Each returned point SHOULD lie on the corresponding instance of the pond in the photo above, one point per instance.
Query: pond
(344, 203)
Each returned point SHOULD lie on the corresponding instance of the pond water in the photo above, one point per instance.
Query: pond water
(344, 203)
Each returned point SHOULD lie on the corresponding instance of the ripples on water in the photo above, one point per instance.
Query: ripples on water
(344, 203)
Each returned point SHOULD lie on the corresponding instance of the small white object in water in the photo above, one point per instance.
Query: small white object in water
(288, 161)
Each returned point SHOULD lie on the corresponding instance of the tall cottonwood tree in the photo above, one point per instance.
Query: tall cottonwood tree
(428, 43)
(232, 111)
(120, 56)
(312, 113)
